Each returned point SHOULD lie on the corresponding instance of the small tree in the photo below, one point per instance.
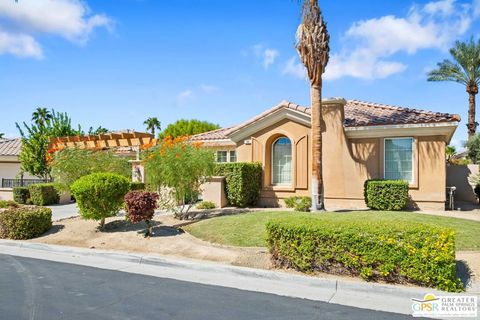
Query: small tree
(473, 148)
(141, 206)
(178, 168)
(100, 195)
(69, 165)
(152, 124)
(184, 127)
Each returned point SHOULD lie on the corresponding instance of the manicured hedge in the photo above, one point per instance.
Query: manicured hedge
(393, 252)
(299, 203)
(25, 222)
(391, 195)
(4, 204)
(243, 182)
(100, 195)
(21, 195)
(43, 194)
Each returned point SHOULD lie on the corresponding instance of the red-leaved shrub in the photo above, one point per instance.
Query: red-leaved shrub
(141, 206)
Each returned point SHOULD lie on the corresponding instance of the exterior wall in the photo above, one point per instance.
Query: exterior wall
(10, 168)
(214, 191)
(347, 163)
(260, 151)
(460, 177)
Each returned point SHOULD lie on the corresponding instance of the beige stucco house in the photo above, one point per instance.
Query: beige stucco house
(361, 141)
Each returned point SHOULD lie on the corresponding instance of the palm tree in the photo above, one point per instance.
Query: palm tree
(2, 135)
(152, 123)
(312, 46)
(41, 115)
(465, 69)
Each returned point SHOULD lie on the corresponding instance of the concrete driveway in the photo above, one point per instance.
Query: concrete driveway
(62, 211)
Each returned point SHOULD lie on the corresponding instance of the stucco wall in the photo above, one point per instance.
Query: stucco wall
(347, 163)
(460, 177)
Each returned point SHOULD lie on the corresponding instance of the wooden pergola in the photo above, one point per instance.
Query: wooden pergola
(103, 141)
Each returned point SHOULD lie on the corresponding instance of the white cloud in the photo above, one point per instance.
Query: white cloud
(20, 45)
(70, 19)
(208, 89)
(267, 56)
(294, 68)
(185, 97)
(476, 8)
(370, 45)
(445, 7)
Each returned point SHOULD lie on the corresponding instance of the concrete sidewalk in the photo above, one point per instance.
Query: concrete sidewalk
(381, 297)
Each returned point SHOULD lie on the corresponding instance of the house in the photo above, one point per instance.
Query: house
(361, 141)
(10, 174)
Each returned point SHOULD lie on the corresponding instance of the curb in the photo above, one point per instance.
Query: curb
(380, 297)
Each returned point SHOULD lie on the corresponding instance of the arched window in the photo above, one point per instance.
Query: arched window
(282, 162)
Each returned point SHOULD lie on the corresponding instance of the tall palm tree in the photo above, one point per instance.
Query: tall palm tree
(41, 115)
(312, 46)
(465, 69)
(152, 123)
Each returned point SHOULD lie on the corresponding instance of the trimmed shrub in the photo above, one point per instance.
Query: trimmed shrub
(43, 194)
(24, 222)
(21, 195)
(386, 194)
(477, 191)
(205, 205)
(137, 186)
(299, 203)
(4, 204)
(140, 206)
(100, 195)
(243, 182)
(393, 251)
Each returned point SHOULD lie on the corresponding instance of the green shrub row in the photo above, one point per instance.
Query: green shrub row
(4, 204)
(386, 194)
(21, 195)
(205, 205)
(299, 203)
(243, 182)
(41, 194)
(24, 222)
(393, 252)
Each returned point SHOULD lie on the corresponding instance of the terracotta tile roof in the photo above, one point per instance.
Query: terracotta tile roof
(357, 113)
(360, 113)
(10, 147)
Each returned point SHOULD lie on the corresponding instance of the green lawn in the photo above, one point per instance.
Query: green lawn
(248, 230)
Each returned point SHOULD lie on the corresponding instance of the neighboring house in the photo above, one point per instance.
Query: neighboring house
(361, 141)
(10, 166)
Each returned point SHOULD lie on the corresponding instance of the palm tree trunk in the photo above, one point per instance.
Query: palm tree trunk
(316, 123)
(472, 124)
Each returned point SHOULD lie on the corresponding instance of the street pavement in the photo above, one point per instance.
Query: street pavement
(63, 211)
(40, 289)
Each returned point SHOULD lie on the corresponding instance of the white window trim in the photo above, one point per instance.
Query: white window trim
(291, 164)
(413, 157)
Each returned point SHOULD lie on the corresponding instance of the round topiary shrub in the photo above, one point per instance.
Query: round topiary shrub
(24, 222)
(141, 206)
(100, 195)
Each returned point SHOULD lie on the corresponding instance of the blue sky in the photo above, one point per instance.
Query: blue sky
(115, 63)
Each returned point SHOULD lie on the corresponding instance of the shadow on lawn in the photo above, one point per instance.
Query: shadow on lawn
(464, 273)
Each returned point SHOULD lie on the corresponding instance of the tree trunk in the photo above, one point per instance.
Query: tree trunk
(472, 124)
(316, 123)
(102, 223)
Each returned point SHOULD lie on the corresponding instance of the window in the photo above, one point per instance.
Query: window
(221, 156)
(233, 156)
(282, 162)
(398, 160)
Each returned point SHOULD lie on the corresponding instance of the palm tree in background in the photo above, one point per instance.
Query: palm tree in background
(464, 69)
(312, 46)
(41, 115)
(152, 123)
(2, 135)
